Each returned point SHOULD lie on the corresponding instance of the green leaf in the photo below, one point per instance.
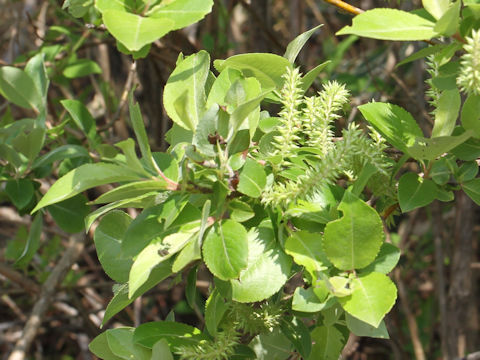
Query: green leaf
(268, 69)
(19, 88)
(161, 351)
(176, 334)
(471, 114)
(268, 267)
(252, 179)
(37, 71)
(298, 334)
(243, 112)
(430, 149)
(328, 343)
(99, 347)
(108, 243)
(311, 76)
(436, 7)
(415, 192)
(297, 44)
(448, 24)
(225, 250)
(373, 296)
(240, 211)
(140, 132)
(81, 67)
(390, 24)
(82, 117)
(121, 299)
(30, 144)
(393, 122)
(60, 153)
(131, 159)
(120, 342)
(467, 151)
(422, 53)
(215, 308)
(131, 190)
(446, 113)
(305, 300)
(33, 242)
(82, 178)
(271, 346)
(353, 241)
(361, 328)
(472, 189)
(135, 31)
(182, 12)
(307, 250)
(385, 261)
(220, 87)
(156, 252)
(69, 214)
(20, 192)
(184, 95)
(467, 171)
(141, 201)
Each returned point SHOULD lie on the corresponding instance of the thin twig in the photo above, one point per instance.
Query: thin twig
(18, 278)
(345, 7)
(74, 249)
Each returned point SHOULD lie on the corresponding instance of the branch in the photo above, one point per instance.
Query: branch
(74, 249)
(345, 7)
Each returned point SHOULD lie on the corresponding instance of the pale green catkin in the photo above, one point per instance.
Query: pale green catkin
(469, 78)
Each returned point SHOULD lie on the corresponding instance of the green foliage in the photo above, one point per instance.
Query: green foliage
(259, 198)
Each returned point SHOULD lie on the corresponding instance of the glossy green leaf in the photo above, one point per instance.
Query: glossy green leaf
(414, 192)
(307, 250)
(69, 213)
(390, 24)
(140, 132)
(328, 343)
(225, 250)
(19, 88)
(121, 299)
(81, 116)
(385, 261)
(311, 76)
(393, 122)
(156, 252)
(182, 12)
(176, 334)
(30, 143)
(373, 296)
(20, 192)
(471, 114)
(447, 25)
(135, 31)
(446, 113)
(294, 47)
(215, 308)
(60, 153)
(33, 241)
(361, 328)
(305, 300)
(141, 201)
(436, 7)
(184, 95)
(353, 241)
(240, 211)
(472, 189)
(108, 239)
(268, 267)
(467, 171)
(81, 67)
(120, 342)
(272, 346)
(430, 149)
(37, 71)
(131, 190)
(422, 53)
(82, 178)
(298, 334)
(161, 351)
(131, 159)
(268, 69)
(99, 347)
(252, 179)
(220, 87)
